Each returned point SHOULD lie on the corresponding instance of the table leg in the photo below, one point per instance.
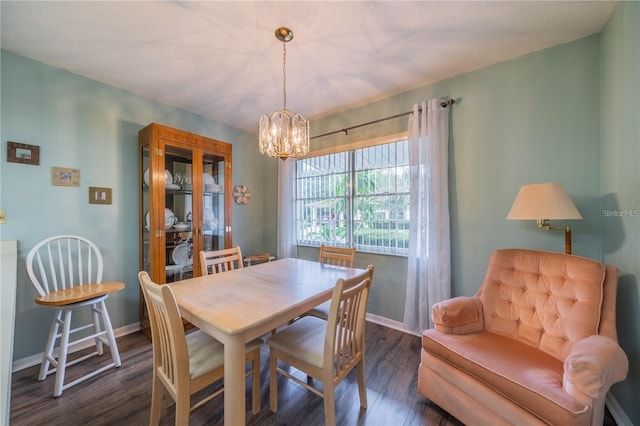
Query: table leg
(234, 381)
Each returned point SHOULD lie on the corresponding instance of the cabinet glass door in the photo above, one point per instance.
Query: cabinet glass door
(213, 202)
(145, 208)
(179, 250)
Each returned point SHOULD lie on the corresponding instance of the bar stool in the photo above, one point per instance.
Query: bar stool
(66, 271)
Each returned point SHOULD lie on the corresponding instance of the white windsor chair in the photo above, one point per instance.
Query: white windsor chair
(66, 271)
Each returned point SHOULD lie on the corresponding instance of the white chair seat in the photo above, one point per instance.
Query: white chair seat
(304, 339)
(206, 353)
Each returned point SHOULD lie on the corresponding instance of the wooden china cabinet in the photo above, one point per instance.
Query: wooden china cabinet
(185, 203)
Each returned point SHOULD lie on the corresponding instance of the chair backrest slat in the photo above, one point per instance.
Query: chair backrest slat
(344, 340)
(340, 256)
(63, 261)
(212, 262)
(170, 353)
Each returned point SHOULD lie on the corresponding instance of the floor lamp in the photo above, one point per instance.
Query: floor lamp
(543, 202)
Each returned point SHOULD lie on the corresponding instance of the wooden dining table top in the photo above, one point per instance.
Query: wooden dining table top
(239, 305)
(235, 301)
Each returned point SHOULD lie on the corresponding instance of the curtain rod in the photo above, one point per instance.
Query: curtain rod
(443, 104)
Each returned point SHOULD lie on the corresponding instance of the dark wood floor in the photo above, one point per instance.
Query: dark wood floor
(122, 396)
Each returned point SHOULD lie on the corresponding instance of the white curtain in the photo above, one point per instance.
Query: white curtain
(429, 261)
(285, 236)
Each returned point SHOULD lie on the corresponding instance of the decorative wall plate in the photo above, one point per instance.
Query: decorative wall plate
(241, 194)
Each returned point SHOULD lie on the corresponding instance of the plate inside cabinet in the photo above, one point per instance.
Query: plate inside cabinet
(181, 254)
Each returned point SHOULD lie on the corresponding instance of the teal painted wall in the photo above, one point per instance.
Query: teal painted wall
(87, 125)
(620, 183)
(567, 114)
(528, 120)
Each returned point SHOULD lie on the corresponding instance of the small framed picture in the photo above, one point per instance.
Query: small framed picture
(98, 195)
(63, 176)
(23, 153)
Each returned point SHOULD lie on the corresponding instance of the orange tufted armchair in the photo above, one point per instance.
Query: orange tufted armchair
(536, 345)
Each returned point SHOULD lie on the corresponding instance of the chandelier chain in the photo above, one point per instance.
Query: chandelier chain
(284, 75)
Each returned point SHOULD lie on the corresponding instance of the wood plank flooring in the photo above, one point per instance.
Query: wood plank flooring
(123, 396)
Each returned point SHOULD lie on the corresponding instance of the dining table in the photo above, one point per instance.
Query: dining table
(239, 305)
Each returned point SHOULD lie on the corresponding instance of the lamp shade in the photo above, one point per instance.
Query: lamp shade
(543, 201)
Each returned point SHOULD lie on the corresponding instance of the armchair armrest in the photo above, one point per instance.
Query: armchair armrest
(593, 365)
(460, 315)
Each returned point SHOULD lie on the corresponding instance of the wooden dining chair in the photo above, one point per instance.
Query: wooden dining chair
(223, 260)
(339, 256)
(56, 267)
(325, 350)
(185, 364)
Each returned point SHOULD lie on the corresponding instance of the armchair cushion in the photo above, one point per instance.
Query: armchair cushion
(525, 375)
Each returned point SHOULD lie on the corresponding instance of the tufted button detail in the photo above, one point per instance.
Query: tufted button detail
(542, 330)
(494, 314)
(566, 338)
(549, 293)
(533, 309)
(509, 301)
(558, 315)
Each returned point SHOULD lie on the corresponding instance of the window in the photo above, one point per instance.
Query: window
(355, 198)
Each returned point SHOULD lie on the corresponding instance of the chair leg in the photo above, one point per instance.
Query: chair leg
(157, 393)
(183, 408)
(51, 343)
(273, 383)
(111, 338)
(328, 392)
(62, 358)
(255, 385)
(95, 311)
(362, 386)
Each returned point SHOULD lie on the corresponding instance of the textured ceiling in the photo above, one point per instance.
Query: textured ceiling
(220, 59)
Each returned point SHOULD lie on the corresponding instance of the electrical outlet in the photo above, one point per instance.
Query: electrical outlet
(3, 218)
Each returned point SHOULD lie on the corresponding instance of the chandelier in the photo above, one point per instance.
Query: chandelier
(284, 134)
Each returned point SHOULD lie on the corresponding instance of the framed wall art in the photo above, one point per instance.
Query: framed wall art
(63, 176)
(98, 195)
(23, 153)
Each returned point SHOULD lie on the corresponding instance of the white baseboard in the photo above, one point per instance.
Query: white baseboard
(616, 411)
(396, 325)
(23, 363)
